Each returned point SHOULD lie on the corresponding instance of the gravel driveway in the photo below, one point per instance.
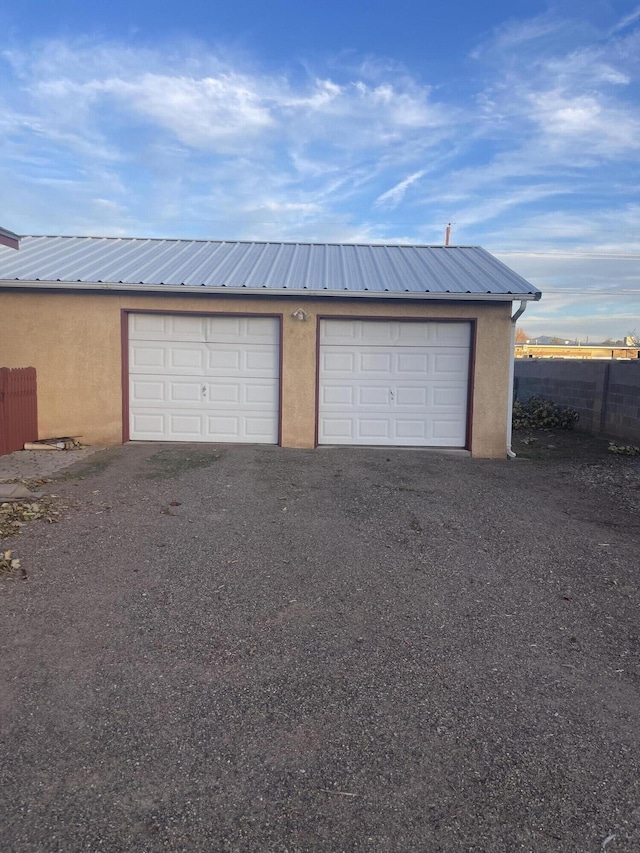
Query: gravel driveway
(257, 649)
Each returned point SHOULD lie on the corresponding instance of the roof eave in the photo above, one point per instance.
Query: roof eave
(265, 291)
(9, 239)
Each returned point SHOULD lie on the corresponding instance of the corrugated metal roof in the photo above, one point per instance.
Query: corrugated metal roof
(325, 268)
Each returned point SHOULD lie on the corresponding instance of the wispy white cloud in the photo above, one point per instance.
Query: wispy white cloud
(292, 149)
(517, 33)
(483, 211)
(599, 231)
(391, 198)
(625, 22)
(585, 124)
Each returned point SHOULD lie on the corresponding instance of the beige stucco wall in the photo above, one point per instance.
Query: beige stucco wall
(74, 341)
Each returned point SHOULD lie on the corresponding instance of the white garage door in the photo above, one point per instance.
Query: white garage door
(195, 378)
(393, 383)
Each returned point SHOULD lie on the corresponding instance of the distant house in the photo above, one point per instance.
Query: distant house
(571, 350)
(295, 344)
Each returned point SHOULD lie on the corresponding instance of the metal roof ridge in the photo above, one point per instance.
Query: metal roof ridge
(384, 245)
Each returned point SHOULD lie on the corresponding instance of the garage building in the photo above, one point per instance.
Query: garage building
(294, 344)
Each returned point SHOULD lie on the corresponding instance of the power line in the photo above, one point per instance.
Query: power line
(601, 256)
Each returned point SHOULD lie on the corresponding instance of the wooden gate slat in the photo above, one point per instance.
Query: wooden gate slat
(18, 408)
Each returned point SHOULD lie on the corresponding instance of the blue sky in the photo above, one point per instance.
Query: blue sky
(519, 123)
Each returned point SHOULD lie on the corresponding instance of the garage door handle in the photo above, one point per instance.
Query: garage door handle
(393, 396)
(204, 390)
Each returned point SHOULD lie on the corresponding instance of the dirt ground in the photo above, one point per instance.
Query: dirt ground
(257, 649)
(587, 460)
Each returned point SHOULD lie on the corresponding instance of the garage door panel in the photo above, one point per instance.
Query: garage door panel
(223, 394)
(258, 428)
(376, 334)
(228, 428)
(185, 359)
(209, 379)
(144, 358)
(225, 329)
(148, 391)
(142, 324)
(393, 383)
(374, 428)
(451, 365)
(261, 360)
(261, 393)
(412, 363)
(390, 363)
(372, 362)
(450, 397)
(184, 328)
(223, 361)
(247, 428)
(185, 425)
(259, 329)
(373, 395)
(252, 360)
(257, 394)
(395, 412)
(408, 432)
(251, 330)
(155, 425)
(337, 395)
(445, 430)
(451, 334)
(393, 333)
(149, 424)
(164, 327)
(338, 363)
(158, 357)
(147, 327)
(200, 329)
(338, 332)
(341, 397)
(333, 429)
(198, 426)
(416, 397)
(411, 428)
(183, 392)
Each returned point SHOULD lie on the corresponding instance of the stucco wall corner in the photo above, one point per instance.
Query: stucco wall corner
(491, 383)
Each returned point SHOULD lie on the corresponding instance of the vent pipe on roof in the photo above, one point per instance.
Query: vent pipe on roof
(447, 235)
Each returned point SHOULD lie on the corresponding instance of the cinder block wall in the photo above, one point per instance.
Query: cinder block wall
(606, 394)
(622, 415)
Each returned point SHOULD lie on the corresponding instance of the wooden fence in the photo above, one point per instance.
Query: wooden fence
(18, 408)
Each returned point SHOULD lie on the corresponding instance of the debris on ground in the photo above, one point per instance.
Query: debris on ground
(624, 449)
(17, 492)
(15, 514)
(68, 442)
(9, 565)
(537, 413)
